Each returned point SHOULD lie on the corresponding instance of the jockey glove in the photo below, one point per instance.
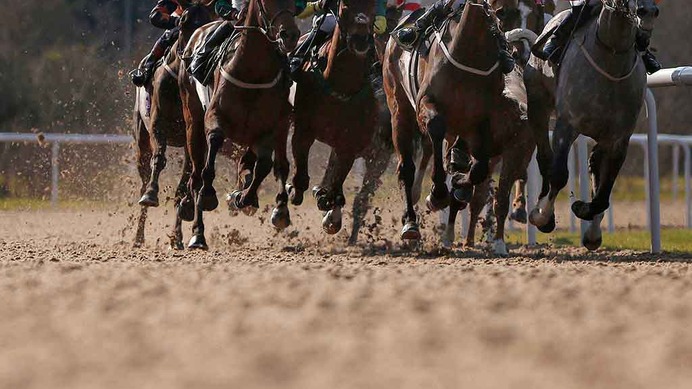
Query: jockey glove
(380, 24)
(310, 9)
(227, 12)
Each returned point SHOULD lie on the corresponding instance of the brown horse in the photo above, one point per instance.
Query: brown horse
(249, 106)
(336, 106)
(162, 124)
(461, 95)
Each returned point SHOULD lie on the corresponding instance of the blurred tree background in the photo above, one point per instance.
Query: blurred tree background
(64, 64)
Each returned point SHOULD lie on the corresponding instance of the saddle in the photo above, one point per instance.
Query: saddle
(217, 56)
(555, 23)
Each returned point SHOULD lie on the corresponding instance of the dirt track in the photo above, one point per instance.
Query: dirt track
(80, 309)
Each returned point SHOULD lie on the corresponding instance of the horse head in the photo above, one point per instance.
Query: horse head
(276, 17)
(507, 11)
(195, 15)
(647, 12)
(355, 23)
(620, 19)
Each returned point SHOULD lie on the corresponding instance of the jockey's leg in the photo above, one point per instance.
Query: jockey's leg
(141, 75)
(504, 56)
(408, 36)
(212, 41)
(316, 38)
(576, 18)
(650, 62)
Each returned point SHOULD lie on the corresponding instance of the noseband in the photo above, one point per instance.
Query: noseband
(267, 24)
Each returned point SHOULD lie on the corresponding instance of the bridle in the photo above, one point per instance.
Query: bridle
(267, 24)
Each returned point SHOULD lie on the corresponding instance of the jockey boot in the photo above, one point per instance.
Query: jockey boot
(504, 56)
(316, 39)
(409, 35)
(552, 50)
(642, 42)
(199, 65)
(141, 75)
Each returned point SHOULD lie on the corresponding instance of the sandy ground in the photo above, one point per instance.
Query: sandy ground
(80, 308)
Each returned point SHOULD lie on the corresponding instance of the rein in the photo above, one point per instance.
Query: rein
(267, 26)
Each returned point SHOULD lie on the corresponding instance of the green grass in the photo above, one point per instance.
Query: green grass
(32, 204)
(673, 239)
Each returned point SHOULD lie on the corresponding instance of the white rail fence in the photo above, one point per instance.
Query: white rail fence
(55, 140)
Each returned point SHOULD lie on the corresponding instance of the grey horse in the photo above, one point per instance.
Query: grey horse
(597, 92)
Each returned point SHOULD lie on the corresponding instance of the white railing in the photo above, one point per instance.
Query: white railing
(681, 76)
(55, 140)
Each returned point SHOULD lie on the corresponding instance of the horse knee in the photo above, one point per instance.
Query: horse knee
(436, 128)
(479, 171)
(406, 172)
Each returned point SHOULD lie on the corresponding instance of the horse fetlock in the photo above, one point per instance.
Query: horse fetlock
(207, 198)
(150, 198)
(186, 209)
(295, 195)
(583, 210)
(437, 204)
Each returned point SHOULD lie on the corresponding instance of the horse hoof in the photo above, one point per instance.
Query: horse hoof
(198, 242)
(548, 227)
(591, 245)
(410, 231)
(294, 195)
(331, 222)
(582, 210)
(149, 200)
(176, 245)
(500, 248)
(435, 204)
(281, 219)
(137, 244)
(233, 200)
(519, 215)
(186, 209)
(462, 195)
(208, 200)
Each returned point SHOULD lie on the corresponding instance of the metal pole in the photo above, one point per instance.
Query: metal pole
(532, 191)
(572, 168)
(688, 202)
(55, 171)
(584, 187)
(647, 191)
(676, 170)
(611, 216)
(654, 195)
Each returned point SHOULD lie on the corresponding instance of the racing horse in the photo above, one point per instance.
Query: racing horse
(598, 92)
(160, 123)
(336, 106)
(249, 106)
(460, 94)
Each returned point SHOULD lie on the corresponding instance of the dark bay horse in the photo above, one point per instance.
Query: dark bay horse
(160, 123)
(336, 106)
(598, 93)
(249, 106)
(461, 95)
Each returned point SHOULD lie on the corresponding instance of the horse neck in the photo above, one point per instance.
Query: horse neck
(345, 71)
(472, 42)
(615, 30)
(255, 53)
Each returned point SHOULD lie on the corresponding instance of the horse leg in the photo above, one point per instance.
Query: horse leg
(263, 166)
(543, 216)
(375, 165)
(207, 194)
(281, 217)
(433, 123)
(181, 192)
(403, 129)
(480, 196)
(143, 156)
(518, 158)
(426, 155)
(449, 234)
(332, 221)
(519, 214)
(301, 142)
(246, 170)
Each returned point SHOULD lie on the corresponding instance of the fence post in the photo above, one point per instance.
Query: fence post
(654, 195)
(584, 181)
(55, 172)
(688, 199)
(676, 170)
(532, 191)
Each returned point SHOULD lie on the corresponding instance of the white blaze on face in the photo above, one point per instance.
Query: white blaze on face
(525, 11)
